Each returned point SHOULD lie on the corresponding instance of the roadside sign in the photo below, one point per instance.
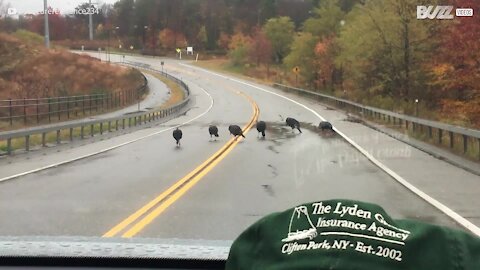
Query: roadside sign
(296, 70)
(178, 50)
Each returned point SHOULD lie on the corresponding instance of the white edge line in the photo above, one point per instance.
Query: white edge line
(112, 147)
(363, 236)
(447, 211)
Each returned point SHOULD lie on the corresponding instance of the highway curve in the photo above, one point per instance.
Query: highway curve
(214, 189)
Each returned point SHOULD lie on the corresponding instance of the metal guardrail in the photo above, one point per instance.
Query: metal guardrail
(458, 137)
(92, 127)
(44, 109)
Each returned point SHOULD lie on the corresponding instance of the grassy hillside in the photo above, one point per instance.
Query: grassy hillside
(28, 70)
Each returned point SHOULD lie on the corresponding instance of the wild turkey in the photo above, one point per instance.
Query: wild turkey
(235, 131)
(293, 123)
(177, 135)
(213, 130)
(261, 127)
(324, 125)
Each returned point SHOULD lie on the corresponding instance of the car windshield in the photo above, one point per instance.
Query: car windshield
(188, 121)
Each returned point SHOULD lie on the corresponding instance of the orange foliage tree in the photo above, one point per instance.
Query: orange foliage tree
(456, 67)
(170, 39)
(260, 50)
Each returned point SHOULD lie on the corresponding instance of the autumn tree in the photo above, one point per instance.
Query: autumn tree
(169, 39)
(238, 49)
(456, 67)
(260, 50)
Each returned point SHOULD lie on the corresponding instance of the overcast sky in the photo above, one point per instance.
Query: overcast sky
(35, 6)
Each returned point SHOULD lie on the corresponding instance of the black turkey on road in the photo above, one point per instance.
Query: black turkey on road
(261, 127)
(324, 125)
(236, 131)
(177, 135)
(213, 130)
(293, 123)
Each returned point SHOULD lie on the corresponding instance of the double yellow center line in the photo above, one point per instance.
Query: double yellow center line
(133, 224)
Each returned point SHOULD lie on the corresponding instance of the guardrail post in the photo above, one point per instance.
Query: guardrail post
(49, 110)
(116, 125)
(440, 135)
(109, 126)
(101, 128)
(38, 119)
(24, 111)
(123, 123)
(465, 143)
(10, 111)
(44, 139)
(81, 132)
(27, 143)
(430, 132)
(9, 146)
(68, 108)
(406, 124)
(58, 136)
(91, 130)
(58, 108)
(451, 139)
(76, 107)
(71, 134)
(478, 141)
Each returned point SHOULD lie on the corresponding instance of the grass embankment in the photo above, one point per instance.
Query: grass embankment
(28, 70)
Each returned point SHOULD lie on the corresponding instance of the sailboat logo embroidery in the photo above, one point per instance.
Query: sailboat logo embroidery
(299, 215)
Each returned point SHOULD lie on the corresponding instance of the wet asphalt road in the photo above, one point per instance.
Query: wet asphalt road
(259, 176)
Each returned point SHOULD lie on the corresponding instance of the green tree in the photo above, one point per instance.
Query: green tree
(280, 33)
(382, 48)
(302, 54)
(327, 21)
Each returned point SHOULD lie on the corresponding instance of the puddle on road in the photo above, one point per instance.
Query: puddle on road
(278, 133)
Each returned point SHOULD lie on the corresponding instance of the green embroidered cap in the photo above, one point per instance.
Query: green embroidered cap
(347, 235)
